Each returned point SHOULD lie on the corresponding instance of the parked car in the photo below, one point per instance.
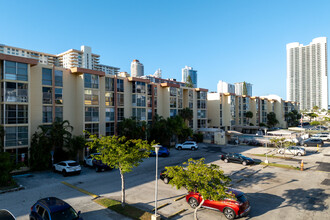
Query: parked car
(237, 158)
(323, 137)
(163, 152)
(100, 166)
(52, 208)
(298, 151)
(311, 142)
(88, 160)
(231, 208)
(164, 177)
(6, 215)
(67, 167)
(191, 145)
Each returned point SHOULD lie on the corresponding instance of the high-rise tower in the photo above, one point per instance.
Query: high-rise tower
(137, 69)
(307, 74)
(188, 71)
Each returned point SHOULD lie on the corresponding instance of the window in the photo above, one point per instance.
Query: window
(172, 91)
(201, 113)
(58, 96)
(109, 129)
(47, 76)
(109, 99)
(109, 84)
(16, 136)
(150, 89)
(139, 114)
(201, 103)
(120, 85)
(120, 99)
(16, 114)
(47, 114)
(201, 95)
(139, 87)
(16, 92)
(109, 114)
(172, 102)
(201, 123)
(138, 100)
(92, 129)
(91, 97)
(59, 113)
(91, 81)
(91, 114)
(172, 113)
(120, 114)
(180, 103)
(16, 71)
(46, 95)
(149, 114)
(58, 78)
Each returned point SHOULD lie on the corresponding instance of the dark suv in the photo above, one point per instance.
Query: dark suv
(52, 208)
(100, 166)
(237, 158)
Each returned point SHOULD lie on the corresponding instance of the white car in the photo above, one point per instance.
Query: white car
(66, 167)
(88, 160)
(298, 151)
(191, 145)
(323, 137)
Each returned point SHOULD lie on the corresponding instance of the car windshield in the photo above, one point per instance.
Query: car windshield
(242, 198)
(73, 164)
(66, 214)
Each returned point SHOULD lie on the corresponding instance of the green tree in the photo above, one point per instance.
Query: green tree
(244, 92)
(40, 157)
(6, 166)
(196, 176)
(177, 128)
(158, 131)
(132, 129)
(189, 82)
(271, 119)
(249, 115)
(316, 108)
(292, 118)
(186, 114)
(315, 123)
(121, 153)
(76, 144)
(2, 137)
(312, 116)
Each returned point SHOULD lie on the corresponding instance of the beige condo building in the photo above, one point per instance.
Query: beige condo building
(35, 93)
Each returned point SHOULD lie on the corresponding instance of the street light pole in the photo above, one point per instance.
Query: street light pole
(155, 216)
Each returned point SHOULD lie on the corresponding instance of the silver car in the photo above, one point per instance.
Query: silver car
(297, 151)
(191, 145)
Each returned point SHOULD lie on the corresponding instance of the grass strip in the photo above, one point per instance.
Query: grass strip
(280, 165)
(127, 210)
(271, 156)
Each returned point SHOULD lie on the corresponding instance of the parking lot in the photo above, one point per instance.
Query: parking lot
(273, 192)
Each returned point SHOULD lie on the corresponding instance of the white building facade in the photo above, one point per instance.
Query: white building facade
(137, 69)
(307, 74)
(224, 87)
(239, 88)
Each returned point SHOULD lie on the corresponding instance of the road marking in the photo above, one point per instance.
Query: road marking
(177, 213)
(179, 198)
(239, 180)
(162, 206)
(80, 189)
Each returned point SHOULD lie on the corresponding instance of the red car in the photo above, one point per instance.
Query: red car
(230, 208)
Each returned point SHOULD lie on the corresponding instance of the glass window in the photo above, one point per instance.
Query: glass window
(47, 114)
(201, 114)
(59, 78)
(91, 97)
(16, 92)
(109, 84)
(92, 129)
(139, 87)
(149, 114)
(59, 113)
(109, 129)
(172, 112)
(91, 81)
(109, 99)
(120, 114)
(173, 91)
(172, 102)
(139, 100)
(16, 136)
(120, 99)
(139, 114)
(109, 114)
(201, 123)
(120, 85)
(16, 71)
(47, 76)
(91, 114)
(16, 114)
(180, 103)
(58, 96)
(46, 95)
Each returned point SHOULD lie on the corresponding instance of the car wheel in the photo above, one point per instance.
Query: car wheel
(193, 203)
(244, 163)
(193, 148)
(229, 213)
(97, 169)
(226, 160)
(179, 148)
(166, 180)
(305, 145)
(79, 172)
(281, 152)
(299, 154)
(64, 172)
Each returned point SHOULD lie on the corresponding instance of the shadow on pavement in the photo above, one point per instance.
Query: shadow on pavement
(311, 199)
(252, 177)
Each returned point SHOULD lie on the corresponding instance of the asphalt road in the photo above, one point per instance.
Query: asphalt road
(274, 193)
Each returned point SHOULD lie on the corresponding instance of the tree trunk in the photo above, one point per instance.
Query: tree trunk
(122, 188)
(195, 212)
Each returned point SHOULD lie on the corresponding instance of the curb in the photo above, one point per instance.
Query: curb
(12, 190)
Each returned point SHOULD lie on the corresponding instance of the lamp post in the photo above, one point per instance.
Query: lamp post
(155, 216)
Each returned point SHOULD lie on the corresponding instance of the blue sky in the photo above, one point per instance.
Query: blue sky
(233, 41)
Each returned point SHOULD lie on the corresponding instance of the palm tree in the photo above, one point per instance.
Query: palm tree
(2, 137)
(186, 114)
(249, 115)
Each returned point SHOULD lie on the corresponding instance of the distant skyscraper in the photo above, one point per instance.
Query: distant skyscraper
(224, 87)
(307, 74)
(188, 71)
(158, 73)
(243, 88)
(137, 69)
